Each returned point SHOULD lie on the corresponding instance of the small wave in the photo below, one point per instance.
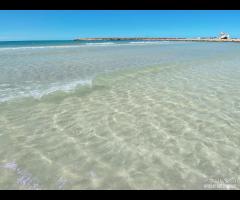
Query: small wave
(39, 93)
(58, 87)
(149, 42)
(56, 47)
(89, 44)
(40, 47)
(100, 43)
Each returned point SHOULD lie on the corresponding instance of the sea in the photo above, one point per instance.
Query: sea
(119, 115)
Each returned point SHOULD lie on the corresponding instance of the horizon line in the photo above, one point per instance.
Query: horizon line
(82, 38)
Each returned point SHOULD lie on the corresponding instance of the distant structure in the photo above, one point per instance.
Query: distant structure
(224, 36)
(206, 38)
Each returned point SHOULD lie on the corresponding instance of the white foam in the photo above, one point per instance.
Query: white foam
(39, 93)
(57, 46)
(40, 47)
(93, 44)
(100, 43)
(147, 42)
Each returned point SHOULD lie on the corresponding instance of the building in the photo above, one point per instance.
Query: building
(224, 36)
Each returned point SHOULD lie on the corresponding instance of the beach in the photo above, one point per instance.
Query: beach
(119, 115)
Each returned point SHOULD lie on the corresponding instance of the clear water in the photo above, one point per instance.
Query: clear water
(121, 115)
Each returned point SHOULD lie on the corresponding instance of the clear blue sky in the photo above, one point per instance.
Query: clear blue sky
(60, 24)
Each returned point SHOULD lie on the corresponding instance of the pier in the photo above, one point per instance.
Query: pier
(160, 39)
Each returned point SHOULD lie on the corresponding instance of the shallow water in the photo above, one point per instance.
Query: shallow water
(120, 116)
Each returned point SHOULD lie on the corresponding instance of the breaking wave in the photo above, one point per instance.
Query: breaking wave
(93, 44)
(38, 92)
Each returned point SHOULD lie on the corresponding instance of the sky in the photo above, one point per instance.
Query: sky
(70, 24)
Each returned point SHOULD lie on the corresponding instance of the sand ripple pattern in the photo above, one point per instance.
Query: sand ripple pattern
(167, 126)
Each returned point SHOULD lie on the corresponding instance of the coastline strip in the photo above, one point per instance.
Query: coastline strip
(160, 39)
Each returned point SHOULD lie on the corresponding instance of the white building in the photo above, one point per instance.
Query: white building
(224, 35)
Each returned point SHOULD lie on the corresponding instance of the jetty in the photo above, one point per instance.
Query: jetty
(223, 37)
(161, 39)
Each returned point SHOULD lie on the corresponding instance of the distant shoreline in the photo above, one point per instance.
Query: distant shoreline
(159, 39)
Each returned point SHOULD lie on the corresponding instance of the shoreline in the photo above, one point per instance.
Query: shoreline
(159, 39)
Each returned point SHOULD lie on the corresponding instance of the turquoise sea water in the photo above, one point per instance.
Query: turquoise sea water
(119, 115)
